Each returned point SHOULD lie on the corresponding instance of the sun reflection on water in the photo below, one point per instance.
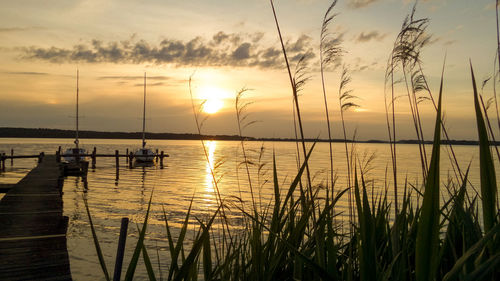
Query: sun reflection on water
(209, 179)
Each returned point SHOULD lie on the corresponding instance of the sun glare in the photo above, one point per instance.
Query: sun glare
(213, 99)
(358, 109)
(211, 106)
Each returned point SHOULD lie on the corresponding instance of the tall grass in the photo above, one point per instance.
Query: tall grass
(329, 52)
(433, 231)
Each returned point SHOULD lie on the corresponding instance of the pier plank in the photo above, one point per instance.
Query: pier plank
(33, 228)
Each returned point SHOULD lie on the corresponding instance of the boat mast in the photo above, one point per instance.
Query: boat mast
(77, 90)
(144, 115)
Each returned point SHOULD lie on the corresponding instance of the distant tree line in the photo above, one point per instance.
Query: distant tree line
(9, 132)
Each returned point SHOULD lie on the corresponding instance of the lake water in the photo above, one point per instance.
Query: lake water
(186, 176)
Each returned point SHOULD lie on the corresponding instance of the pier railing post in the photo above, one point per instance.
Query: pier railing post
(40, 157)
(117, 160)
(2, 161)
(94, 160)
(121, 249)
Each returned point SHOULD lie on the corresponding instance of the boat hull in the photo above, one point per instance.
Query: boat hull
(75, 155)
(76, 168)
(144, 155)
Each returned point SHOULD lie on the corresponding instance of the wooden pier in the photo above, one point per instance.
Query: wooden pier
(33, 228)
(129, 158)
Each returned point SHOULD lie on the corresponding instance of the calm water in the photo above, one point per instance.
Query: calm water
(185, 177)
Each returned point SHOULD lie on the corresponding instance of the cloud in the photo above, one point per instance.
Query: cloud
(434, 40)
(359, 65)
(491, 6)
(149, 84)
(17, 29)
(372, 35)
(11, 29)
(129, 78)
(222, 49)
(242, 52)
(449, 42)
(356, 4)
(26, 73)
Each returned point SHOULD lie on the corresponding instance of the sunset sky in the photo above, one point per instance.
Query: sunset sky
(228, 45)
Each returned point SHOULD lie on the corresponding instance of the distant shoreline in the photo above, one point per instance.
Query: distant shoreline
(11, 132)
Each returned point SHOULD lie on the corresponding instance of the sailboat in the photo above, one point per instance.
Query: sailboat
(144, 154)
(76, 154)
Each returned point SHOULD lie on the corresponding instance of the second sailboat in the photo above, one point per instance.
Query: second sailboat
(144, 155)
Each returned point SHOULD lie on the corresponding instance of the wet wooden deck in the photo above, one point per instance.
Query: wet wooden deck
(33, 228)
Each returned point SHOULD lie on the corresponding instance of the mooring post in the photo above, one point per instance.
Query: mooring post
(161, 159)
(12, 156)
(59, 150)
(84, 166)
(94, 160)
(156, 155)
(58, 156)
(126, 157)
(85, 184)
(130, 160)
(40, 157)
(2, 161)
(117, 164)
(121, 249)
(117, 159)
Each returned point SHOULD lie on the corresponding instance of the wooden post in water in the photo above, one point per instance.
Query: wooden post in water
(126, 157)
(58, 156)
(156, 155)
(84, 166)
(117, 164)
(12, 156)
(161, 159)
(94, 158)
(130, 160)
(121, 249)
(117, 159)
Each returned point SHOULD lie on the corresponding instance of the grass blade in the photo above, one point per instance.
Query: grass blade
(367, 249)
(427, 244)
(484, 269)
(135, 257)
(487, 169)
(147, 262)
(207, 259)
(476, 248)
(178, 247)
(96, 242)
(189, 263)
(169, 234)
(296, 180)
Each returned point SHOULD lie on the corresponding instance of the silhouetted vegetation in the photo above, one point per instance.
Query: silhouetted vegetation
(431, 230)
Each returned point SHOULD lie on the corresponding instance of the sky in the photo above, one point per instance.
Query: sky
(226, 46)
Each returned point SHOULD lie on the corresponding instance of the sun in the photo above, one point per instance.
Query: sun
(212, 106)
(213, 99)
